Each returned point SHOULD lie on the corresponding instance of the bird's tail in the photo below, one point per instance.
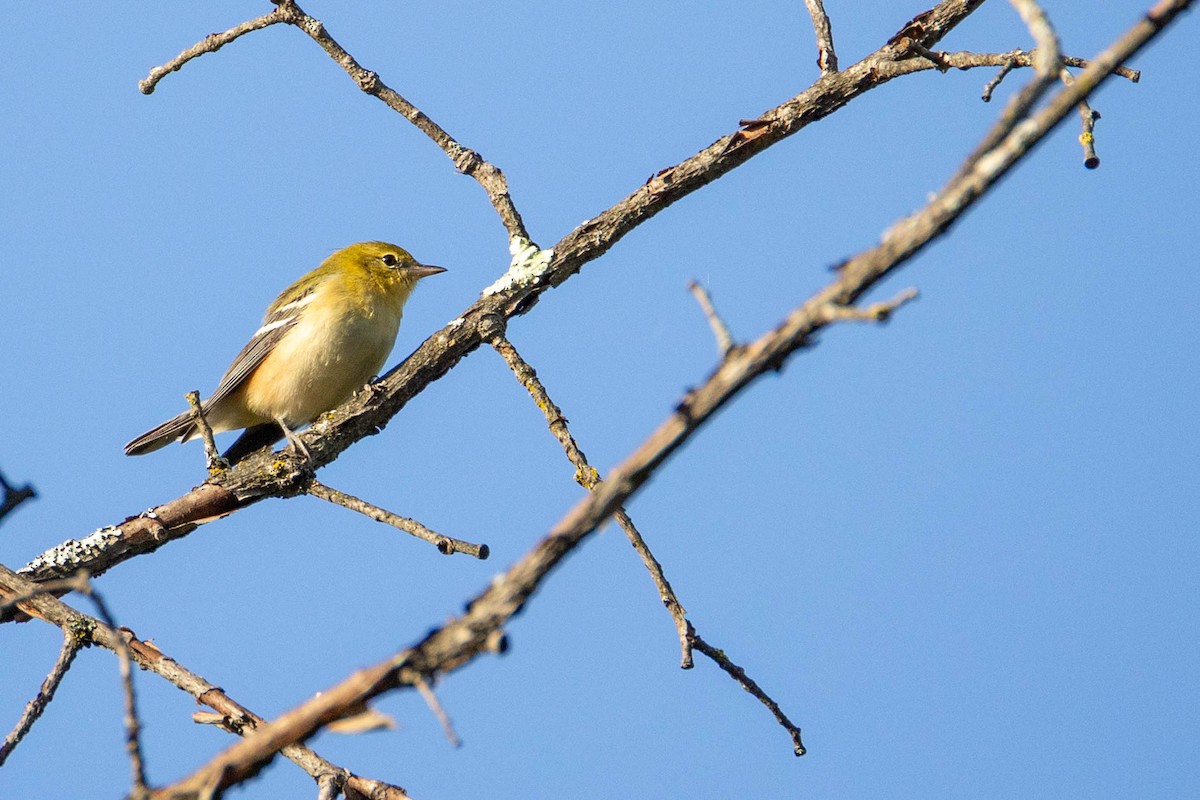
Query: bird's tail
(179, 428)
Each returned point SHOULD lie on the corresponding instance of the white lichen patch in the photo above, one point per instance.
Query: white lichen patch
(527, 268)
(74, 551)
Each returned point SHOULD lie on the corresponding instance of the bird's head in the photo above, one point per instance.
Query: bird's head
(387, 263)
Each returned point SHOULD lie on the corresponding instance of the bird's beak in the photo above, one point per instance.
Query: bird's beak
(424, 270)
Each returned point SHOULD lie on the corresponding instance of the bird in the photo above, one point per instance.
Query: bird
(322, 339)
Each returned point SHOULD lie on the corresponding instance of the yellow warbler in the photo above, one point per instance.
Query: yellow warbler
(322, 339)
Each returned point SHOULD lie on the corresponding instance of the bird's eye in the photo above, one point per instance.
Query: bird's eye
(389, 259)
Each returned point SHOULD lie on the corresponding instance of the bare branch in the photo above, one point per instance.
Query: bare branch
(1087, 138)
(876, 312)
(1005, 145)
(1087, 118)
(329, 786)
(725, 341)
(33, 710)
(133, 726)
(445, 544)
(38, 601)
(212, 458)
(467, 161)
(80, 582)
(1008, 66)
(747, 683)
(436, 707)
(587, 477)
(826, 57)
(458, 642)
(75, 583)
(209, 44)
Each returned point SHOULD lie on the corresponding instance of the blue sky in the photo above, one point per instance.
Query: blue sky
(960, 550)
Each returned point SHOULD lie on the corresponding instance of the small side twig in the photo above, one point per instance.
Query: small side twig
(212, 458)
(876, 312)
(826, 57)
(1008, 66)
(34, 708)
(446, 545)
(438, 711)
(725, 341)
(209, 44)
(747, 683)
(939, 59)
(329, 785)
(13, 496)
(1087, 117)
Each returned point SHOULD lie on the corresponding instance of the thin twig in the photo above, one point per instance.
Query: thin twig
(1008, 66)
(1087, 138)
(436, 707)
(329, 785)
(963, 60)
(587, 477)
(725, 342)
(13, 496)
(212, 456)
(826, 57)
(132, 724)
(209, 44)
(446, 545)
(1087, 117)
(33, 710)
(747, 683)
(876, 312)
(467, 161)
(936, 57)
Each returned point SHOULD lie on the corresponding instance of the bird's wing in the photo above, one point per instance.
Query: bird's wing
(274, 327)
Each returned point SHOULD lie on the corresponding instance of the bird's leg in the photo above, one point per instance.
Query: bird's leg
(297, 445)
